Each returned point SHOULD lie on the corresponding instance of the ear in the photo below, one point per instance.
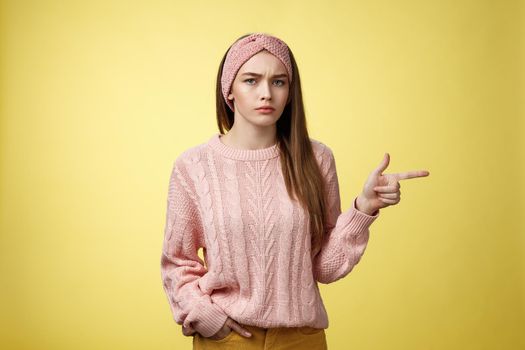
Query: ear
(230, 97)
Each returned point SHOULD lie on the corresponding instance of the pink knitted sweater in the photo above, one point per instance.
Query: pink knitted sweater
(257, 267)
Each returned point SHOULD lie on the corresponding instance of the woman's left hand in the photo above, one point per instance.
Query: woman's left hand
(188, 331)
(382, 190)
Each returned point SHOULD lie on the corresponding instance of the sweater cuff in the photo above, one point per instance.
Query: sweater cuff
(356, 222)
(210, 320)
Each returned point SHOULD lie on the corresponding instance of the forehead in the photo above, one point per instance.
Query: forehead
(262, 62)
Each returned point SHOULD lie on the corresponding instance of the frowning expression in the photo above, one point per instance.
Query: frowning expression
(261, 81)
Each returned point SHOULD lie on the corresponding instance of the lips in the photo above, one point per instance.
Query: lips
(266, 107)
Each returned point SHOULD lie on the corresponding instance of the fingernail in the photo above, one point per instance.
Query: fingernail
(248, 334)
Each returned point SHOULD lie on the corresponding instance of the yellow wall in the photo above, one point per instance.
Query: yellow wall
(99, 97)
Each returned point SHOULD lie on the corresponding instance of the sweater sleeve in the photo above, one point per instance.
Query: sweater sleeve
(181, 266)
(347, 233)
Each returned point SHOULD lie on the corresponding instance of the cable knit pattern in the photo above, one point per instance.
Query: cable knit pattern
(257, 267)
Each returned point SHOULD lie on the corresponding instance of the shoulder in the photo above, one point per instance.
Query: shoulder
(189, 157)
(322, 151)
(184, 168)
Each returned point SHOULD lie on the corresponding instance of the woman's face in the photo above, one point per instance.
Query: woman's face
(269, 86)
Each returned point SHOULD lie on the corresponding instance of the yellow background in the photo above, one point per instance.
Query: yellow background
(99, 97)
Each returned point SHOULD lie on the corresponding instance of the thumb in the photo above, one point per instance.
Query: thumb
(383, 165)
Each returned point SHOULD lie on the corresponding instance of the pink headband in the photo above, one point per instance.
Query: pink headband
(242, 50)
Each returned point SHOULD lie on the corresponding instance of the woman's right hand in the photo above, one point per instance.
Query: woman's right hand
(230, 326)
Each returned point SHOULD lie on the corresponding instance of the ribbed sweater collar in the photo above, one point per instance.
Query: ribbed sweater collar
(242, 154)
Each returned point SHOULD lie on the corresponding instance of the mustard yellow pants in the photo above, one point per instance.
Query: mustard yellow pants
(280, 338)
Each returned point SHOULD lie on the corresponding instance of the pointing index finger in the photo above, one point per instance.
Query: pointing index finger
(412, 174)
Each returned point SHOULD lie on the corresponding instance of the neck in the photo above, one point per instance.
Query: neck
(250, 139)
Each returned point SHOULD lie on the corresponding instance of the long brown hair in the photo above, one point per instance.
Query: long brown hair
(300, 169)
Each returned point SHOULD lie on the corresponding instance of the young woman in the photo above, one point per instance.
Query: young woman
(263, 202)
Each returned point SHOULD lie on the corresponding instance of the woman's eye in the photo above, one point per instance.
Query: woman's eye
(282, 82)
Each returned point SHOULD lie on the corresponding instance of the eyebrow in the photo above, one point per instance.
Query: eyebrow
(259, 75)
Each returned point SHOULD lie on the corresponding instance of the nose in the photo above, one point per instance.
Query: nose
(265, 92)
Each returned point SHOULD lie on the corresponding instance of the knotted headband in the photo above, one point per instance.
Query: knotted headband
(242, 50)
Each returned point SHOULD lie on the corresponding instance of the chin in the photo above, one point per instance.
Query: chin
(264, 119)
